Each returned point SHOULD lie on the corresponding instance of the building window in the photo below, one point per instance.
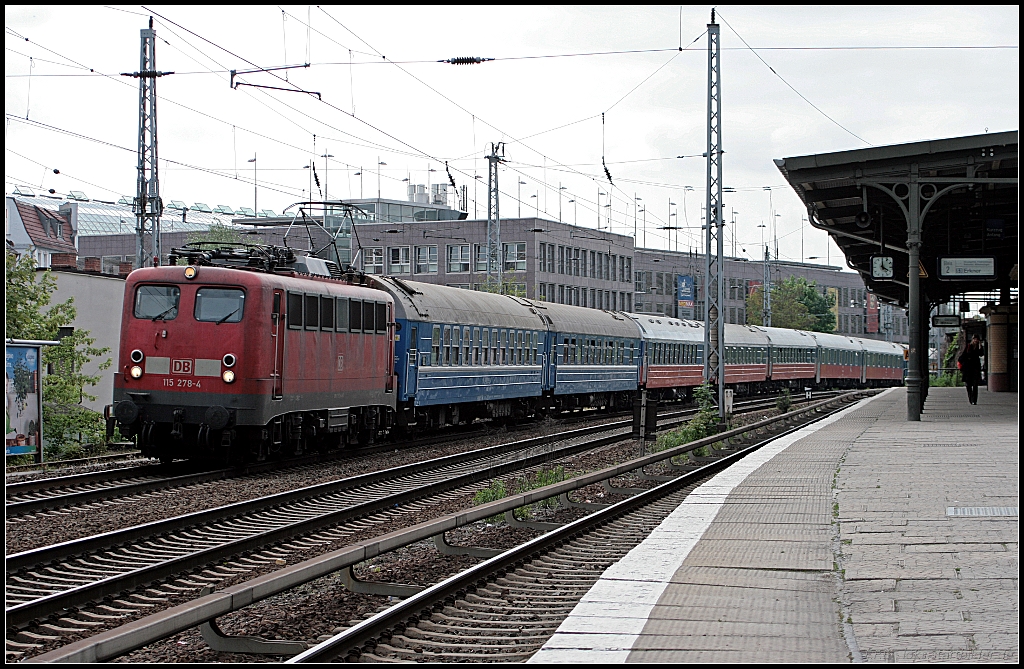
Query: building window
(551, 292)
(458, 258)
(561, 294)
(542, 292)
(583, 262)
(551, 258)
(515, 257)
(575, 262)
(398, 260)
(593, 265)
(373, 260)
(561, 260)
(480, 262)
(583, 295)
(426, 259)
(542, 255)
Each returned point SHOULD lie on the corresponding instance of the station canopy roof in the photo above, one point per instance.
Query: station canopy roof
(968, 199)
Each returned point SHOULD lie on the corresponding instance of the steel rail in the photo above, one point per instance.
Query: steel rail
(138, 633)
(408, 610)
(39, 607)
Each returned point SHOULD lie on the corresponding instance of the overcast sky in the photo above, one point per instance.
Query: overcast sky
(414, 113)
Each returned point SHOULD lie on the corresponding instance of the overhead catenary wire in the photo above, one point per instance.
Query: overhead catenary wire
(791, 87)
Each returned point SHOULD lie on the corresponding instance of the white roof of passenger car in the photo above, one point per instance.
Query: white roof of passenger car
(668, 329)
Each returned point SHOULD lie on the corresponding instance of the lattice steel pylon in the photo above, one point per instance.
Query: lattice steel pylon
(766, 289)
(494, 259)
(714, 279)
(148, 206)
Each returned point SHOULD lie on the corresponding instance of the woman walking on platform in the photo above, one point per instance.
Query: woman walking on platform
(969, 363)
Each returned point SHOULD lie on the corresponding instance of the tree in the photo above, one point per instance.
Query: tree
(796, 304)
(67, 425)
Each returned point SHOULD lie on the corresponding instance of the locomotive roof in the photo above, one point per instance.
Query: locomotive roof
(569, 319)
(441, 304)
(665, 328)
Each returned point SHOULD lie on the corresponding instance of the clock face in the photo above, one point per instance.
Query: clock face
(881, 267)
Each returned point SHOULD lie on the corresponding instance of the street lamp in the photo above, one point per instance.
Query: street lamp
(536, 205)
(519, 197)
(379, 163)
(325, 156)
(255, 187)
(360, 175)
(599, 194)
(675, 235)
(573, 203)
(560, 189)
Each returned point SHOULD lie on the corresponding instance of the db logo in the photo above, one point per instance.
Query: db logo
(181, 366)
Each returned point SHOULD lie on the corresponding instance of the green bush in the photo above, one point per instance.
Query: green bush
(784, 402)
(700, 426)
(493, 492)
(946, 381)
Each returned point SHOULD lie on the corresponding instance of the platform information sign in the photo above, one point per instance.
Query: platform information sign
(967, 269)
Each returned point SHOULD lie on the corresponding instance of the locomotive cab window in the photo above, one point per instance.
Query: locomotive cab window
(157, 302)
(381, 317)
(294, 310)
(219, 305)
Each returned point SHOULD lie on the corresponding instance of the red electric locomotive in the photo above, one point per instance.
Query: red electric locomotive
(246, 353)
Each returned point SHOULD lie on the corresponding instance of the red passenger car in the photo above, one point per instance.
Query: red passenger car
(232, 361)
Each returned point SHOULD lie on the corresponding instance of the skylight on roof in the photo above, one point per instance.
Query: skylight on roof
(78, 195)
(268, 213)
(175, 204)
(246, 211)
(224, 209)
(205, 208)
(24, 191)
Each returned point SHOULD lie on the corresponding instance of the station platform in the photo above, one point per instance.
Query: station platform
(862, 537)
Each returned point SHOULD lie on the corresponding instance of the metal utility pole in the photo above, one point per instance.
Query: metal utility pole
(714, 331)
(494, 263)
(766, 289)
(148, 206)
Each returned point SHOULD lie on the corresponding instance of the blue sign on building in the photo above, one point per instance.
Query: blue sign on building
(684, 291)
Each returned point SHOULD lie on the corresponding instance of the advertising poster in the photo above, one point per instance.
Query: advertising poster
(23, 400)
(752, 285)
(685, 291)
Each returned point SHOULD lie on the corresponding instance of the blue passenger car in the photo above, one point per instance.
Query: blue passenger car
(464, 354)
(594, 356)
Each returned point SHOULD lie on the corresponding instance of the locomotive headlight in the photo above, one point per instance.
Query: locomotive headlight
(228, 376)
(137, 355)
(191, 271)
(136, 372)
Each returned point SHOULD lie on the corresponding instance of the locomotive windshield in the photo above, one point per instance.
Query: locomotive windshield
(157, 302)
(219, 305)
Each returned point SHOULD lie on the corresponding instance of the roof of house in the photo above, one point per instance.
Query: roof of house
(47, 228)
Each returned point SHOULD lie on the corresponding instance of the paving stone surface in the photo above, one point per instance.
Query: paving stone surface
(839, 548)
(921, 586)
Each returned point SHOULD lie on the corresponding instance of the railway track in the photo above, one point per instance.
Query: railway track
(504, 609)
(271, 549)
(136, 483)
(51, 579)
